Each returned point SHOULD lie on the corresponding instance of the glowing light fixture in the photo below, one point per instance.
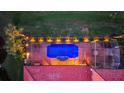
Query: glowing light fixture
(96, 39)
(58, 40)
(67, 40)
(76, 40)
(86, 39)
(106, 39)
(26, 38)
(41, 40)
(26, 44)
(122, 36)
(22, 35)
(32, 39)
(49, 40)
(27, 55)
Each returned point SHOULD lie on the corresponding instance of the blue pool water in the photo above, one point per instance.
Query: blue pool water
(61, 50)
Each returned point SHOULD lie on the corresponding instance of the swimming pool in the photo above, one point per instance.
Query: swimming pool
(61, 50)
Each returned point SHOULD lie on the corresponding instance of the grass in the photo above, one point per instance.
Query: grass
(14, 68)
(37, 23)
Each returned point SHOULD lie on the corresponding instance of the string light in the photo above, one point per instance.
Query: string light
(68, 40)
(96, 39)
(106, 39)
(49, 40)
(32, 39)
(86, 39)
(19, 34)
(41, 40)
(58, 40)
(27, 55)
(27, 45)
(26, 38)
(118, 37)
(76, 40)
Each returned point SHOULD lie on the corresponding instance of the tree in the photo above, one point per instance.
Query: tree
(14, 41)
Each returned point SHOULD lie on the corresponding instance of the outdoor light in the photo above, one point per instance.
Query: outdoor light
(106, 39)
(32, 39)
(26, 44)
(49, 40)
(86, 39)
(41, 40)
(68, 40)
(58, 40)
(118, 37)
(22, 35)
(96, 39)
(19, 34)
(76, 40)
(116, 46)
(26, 38)
(27, 55)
